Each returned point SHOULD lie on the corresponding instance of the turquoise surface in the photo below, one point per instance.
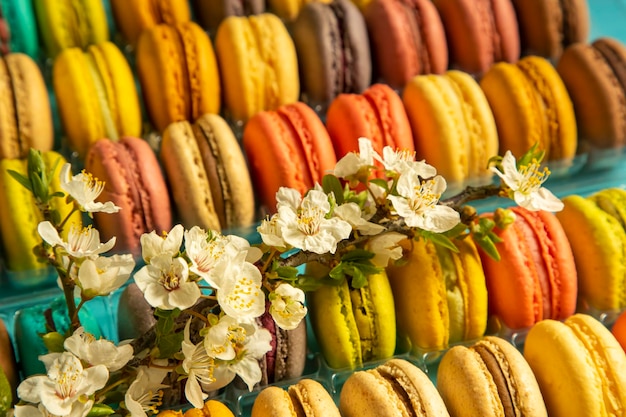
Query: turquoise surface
(20, 17)
(608, 18)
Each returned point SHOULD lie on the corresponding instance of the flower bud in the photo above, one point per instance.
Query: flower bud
(503, 218)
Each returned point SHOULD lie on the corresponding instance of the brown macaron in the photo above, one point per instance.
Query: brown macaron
(395, 388)
(207, 174)
(595, 77)
(306, 398)
(489, 378)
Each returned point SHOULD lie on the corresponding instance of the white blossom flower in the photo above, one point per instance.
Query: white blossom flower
(78, 409)
(253, 343)
(351, 212)
(287, 306)
(418, 204)
(65, 383)
(525, 184)
(165, 283)
(304, 224)
(221, 339)
(352, 162)
(145, 393)
(81, 242)
(385, 247)
(238, 285)
(85, 188)
(271, 234)
(199, 367)
(98, 351)
(103, 275)
(153, 244)
(403, 162)
(205, 250)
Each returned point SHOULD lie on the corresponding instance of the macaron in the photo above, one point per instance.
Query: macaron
(354, 326)
(547, 27)
(287, 147)
(18, 28)
(489, 378)
(440, 295)
(25, 115)
(134, 16)
(618, 329)
(531, 106)
(407, 38)
(594, 76)
(71, 24)
(479, 33)
(453, 126)
(288, 354)
(9, 373)
(594, 227)
(259, 65)
(178, 73)
(287, 10)
(211, 408)
(137, 315)
(210, 13)
(133, 181)
(207, 174)
(535, 278)
(20, 217)
(333, 50)
(96, 95)
(34, 320)
(305, 398)
(377, 114)
(579, 367)
(395, 388)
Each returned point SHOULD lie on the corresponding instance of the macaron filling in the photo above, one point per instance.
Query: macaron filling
(497, 366)
(345, 78)
(101, 94)
(403, 388)
(365, 318)
(455, 298)
(13, 136)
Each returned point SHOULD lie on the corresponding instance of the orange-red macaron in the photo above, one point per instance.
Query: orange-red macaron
(535, 279)
(287, 147)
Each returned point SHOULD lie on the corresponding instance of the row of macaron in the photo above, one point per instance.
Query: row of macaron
(463, 379)
(182, 77)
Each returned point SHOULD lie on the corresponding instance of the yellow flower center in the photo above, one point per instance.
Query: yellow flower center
(532, 176)
(424, 197)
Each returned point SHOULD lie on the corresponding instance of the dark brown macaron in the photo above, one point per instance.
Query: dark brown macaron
(595, 77)
(210, 13)
(333, 50)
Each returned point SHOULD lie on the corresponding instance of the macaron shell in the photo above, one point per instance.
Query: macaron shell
(407, 38)
(118, 80)
(598, 242)
(134, 182)
(619, 329)
(227, 171)
(8, 366)
(396, 387)
(597, 90)
(134, 16)
(313, 398)
(67, 24)
(579, 367)
(214, 408)
(26, 116)
(491, 377)
(479, 33)
(186, 83)
(187, 178)
(77, 98)
(377, 114)
(211, 13)
(439, 132)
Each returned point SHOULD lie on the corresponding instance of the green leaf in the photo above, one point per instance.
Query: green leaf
(456, 231)
(23, 180)
(337, 272)
(440, 239)
(489, 247)
(54, 341)
(100, 410)
(357, 254)
(331, 184)
(287, 272)
(359, 279)
(169, 344)
(309, 283)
